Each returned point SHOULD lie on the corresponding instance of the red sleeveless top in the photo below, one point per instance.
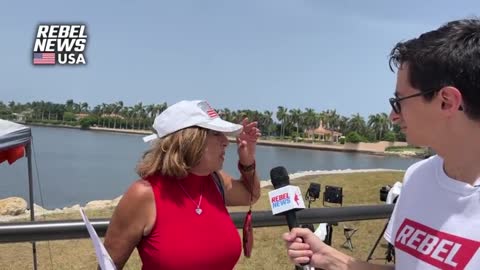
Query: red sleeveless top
(182, 239)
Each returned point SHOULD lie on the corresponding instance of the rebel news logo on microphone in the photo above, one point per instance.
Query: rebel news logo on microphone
(62, 44)
(284, 197)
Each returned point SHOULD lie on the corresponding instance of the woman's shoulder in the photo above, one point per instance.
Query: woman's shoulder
(146, 183)
(144, 186)
(140, 191)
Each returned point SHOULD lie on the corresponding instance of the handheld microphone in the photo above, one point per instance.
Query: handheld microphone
(285, 199)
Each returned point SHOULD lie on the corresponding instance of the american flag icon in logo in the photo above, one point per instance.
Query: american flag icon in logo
(208, 109)
(44, 58)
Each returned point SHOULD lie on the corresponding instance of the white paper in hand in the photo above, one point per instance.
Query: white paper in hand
(103, 257)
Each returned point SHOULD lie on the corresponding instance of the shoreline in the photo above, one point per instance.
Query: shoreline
(110, 204)
(364, 148)
(297, 175)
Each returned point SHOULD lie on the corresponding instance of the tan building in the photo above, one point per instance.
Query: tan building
(323, 134)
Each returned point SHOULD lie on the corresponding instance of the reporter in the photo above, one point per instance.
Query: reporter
(435, 221)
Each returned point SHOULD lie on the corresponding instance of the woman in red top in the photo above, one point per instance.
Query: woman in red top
(175, 214)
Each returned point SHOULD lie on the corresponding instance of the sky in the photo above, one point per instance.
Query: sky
(249, 54)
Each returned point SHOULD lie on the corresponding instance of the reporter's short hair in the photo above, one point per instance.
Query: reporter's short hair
(447, 56)
(175, 154)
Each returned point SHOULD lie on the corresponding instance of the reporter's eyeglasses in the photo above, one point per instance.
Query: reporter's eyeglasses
(395, 102)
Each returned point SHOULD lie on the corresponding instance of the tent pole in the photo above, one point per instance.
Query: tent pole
(30, 189)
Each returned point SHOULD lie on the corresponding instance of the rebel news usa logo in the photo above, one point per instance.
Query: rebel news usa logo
(62, 44)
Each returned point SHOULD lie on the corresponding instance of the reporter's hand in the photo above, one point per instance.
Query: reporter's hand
(313, 251)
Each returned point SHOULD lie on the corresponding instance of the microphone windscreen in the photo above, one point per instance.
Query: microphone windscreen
(279, 177)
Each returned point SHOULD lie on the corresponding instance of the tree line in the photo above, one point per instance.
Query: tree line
(289, 124)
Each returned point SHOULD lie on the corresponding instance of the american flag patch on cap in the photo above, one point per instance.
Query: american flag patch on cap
(208, 109)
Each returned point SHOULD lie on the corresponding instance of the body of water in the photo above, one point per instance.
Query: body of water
(78, 166)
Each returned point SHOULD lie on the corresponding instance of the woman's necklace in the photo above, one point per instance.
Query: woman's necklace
(198, 210)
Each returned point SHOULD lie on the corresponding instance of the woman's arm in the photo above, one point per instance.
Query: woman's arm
(246, 190)
(243, 191)
(132, 219)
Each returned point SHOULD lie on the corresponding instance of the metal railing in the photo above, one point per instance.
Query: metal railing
(74, 229)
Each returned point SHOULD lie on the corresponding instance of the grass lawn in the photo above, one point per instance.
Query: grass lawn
(269, 250)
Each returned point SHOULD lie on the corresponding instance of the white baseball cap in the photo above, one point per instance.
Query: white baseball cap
(188, 113)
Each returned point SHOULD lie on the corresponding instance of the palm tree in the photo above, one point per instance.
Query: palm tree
(332, 120)
(104, 109)
(309, 116)
(356, 123)
(282, 116)
(84, 107)
(97, 110)
(379, 123)
(139, 113)
(159, 108)
(267, 121)
(76, 107)
(342, 124)
(109, 110)
(69, 105)
(116, 108)
(296, 116)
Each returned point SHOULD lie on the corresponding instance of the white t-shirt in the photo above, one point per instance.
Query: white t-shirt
(436, 220)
